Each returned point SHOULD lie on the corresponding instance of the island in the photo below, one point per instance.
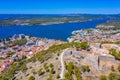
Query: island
(31, 20)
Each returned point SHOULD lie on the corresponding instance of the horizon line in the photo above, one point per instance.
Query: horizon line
(60, 13)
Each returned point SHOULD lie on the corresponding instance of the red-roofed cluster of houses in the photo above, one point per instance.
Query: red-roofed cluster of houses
(93, 35)
(10, 54)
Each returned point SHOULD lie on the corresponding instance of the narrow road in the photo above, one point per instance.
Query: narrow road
(62, 64)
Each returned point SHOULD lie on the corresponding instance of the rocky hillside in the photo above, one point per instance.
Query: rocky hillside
(68, 61)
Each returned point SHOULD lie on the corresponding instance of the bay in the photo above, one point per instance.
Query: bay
(54, 31)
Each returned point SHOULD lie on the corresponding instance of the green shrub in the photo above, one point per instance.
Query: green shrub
(19, 42)
(31, 78)
(103, 77)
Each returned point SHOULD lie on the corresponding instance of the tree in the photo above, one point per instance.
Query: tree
(84, 45)
(23, 67)
(52, 71)
(40, 71)
(112, 76)
(112, 68)
(40, 58)
(58, 76)
(31, 78)
(51, 65)
(46, 67)
(19, 42)
(68, 76)
(114, 53)
(103, 77)
(10, 54)
(118, 68)
(58, 54)
(50, 77)
(70, 67)
(77, 72)
(85, 68)
(24, 57)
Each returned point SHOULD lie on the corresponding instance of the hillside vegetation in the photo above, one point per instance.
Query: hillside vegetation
(41, 57)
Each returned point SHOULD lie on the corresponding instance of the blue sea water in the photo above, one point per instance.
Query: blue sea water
(55, 31)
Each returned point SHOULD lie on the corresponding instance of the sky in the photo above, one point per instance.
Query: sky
(59, 6)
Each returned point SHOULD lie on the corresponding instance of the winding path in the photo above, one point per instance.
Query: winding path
(62, 64)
